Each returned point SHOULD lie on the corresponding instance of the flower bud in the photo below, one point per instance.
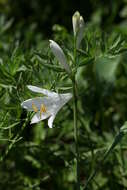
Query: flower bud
(59, 54)
(80, 32)
(75, 22)
(78, 27)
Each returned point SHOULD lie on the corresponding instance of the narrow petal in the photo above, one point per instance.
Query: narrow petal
(50, 121)
(41, 90)
(64, 98)
(36, 118)
(59, 54)
(58, 104)
(37, 102)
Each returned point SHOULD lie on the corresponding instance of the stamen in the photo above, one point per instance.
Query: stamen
(34, 107)
(42, 109)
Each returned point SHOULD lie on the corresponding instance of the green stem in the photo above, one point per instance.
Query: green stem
(75, 50)
(76, 136)
(75, 121)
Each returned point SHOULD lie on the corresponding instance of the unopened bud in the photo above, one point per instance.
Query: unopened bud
(75, 22)
(78, 27)
(80, 32)
(59, 54)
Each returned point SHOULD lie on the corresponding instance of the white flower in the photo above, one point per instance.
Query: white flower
(47, 106)
(59, 54)
(78, 27)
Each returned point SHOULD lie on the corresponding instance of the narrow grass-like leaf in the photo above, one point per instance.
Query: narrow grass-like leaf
(86, 61)
(117, 140)
(50, 66)
(11, 126)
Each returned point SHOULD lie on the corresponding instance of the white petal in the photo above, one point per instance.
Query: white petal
(41, 90)
(60, 102)
(64, 98)
(37, 102)
(36, 118)
(50, 121)
(58, 52)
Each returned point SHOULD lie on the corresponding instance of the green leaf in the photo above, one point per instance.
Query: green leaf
(86, 61)
(105, 68)
(50, 66)
(116, 141)
(42, 56)
(11, 126)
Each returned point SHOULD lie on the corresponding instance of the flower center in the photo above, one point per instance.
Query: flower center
(34, 107)
(42, 109)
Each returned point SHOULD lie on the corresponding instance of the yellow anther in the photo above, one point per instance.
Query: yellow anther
(34, 107)
(42, 109)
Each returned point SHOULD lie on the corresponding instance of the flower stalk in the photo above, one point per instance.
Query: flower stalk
(75, 120)
(76, 135)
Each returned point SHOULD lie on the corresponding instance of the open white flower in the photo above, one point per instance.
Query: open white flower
(47, 106)
(59, 54)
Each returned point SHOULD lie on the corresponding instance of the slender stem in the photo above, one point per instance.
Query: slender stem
(122, 168)
(76, 136)
(75, 50)
(75, 121)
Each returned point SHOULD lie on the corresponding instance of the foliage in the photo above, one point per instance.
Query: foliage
(36, 157)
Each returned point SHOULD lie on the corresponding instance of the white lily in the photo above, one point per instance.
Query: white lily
(59, 54)
(78, 27)
(47, 106)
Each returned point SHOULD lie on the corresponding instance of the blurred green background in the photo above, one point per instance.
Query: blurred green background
(39, 158)
(45, 13)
